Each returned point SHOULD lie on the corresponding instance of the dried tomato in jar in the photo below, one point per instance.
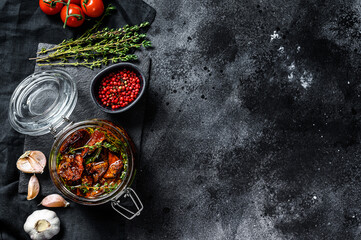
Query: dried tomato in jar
(91, 162)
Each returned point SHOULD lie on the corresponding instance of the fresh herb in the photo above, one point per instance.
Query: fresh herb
(90, 147)
(58, 159)
(112, 139)
(123, 174)
(111, 147)
(125, 167)
(97, 145)
(110, 187)
(85, 188)
(94, 157)
(94, 49)
(91, 130)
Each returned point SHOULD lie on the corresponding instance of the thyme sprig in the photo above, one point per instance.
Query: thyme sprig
(85, 188)
(90, 147)
(110, 146)
(94, 49)
(94, 157)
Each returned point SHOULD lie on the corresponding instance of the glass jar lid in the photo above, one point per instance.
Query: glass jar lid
(41, 102)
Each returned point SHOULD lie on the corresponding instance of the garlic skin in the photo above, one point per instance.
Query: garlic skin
(42, 224)
(31, 162)
(54, 200)
(33, 188)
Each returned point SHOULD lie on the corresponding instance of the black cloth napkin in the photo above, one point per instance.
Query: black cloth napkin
(23, 26)
(131, 120)
(77, 220)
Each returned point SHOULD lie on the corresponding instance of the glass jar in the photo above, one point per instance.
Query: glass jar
(41, 104)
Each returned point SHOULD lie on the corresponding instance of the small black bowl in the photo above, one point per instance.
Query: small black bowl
(95, 85)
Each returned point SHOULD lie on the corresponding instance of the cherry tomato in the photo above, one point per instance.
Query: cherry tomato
(77, 2)
(51, 7)
(76, 16)
(92, 8)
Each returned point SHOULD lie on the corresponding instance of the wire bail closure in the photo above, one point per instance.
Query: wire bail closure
(53, 130)
(125, 212)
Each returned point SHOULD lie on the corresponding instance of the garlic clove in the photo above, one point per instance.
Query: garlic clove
(38, 159)
(24, 165)
(37, 168)
(33, 188)
(54, 200)
(31, 162)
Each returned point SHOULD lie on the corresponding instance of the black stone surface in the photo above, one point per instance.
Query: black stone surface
(252, 127)
(253, 121)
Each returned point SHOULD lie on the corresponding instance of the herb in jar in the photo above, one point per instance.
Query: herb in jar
(92, 162)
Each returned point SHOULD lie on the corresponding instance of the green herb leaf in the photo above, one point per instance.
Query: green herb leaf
(85, 188)
(95, 49)
(94, 157)
(111, 147)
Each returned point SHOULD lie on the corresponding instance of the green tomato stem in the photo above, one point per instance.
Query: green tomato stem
(78, 16)
(53, 3)
(67, 15)
(85, 2)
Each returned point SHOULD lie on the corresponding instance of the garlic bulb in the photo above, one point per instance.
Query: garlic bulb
(33, 187)
(31, 162)
(54, 200)
(42, 224)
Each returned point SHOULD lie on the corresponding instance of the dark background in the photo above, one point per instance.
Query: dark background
(252, 127)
